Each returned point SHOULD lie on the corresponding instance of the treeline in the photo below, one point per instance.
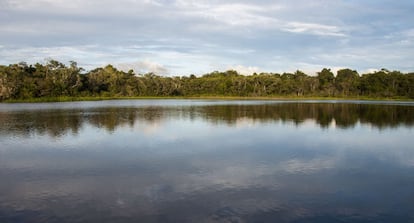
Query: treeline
(55, 79)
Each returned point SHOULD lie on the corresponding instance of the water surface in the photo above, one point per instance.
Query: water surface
(207, 161)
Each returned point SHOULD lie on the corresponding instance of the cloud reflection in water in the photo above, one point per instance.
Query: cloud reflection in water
(212, 163)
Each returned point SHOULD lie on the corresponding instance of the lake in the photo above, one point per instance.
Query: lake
(207, 161)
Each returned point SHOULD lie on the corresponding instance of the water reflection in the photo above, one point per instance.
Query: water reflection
(58, 122)
(241, 162)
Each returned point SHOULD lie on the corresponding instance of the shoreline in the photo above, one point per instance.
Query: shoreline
(281, 98)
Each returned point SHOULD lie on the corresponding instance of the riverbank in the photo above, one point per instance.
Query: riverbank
(101, 98)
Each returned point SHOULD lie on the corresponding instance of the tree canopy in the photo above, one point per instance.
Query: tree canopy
(55, 79)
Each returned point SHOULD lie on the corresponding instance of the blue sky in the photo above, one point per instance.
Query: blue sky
(181, 37)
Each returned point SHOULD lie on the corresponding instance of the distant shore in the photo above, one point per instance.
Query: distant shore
(55, 81)
(101, 98)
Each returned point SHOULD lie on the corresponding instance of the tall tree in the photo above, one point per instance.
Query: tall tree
(347, 82)
(326, 82)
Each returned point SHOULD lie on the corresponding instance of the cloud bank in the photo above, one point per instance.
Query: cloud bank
(177, 37)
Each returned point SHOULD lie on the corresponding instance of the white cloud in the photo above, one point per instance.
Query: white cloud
(313, 28)
(245, 70)
(238, 15)
(199, 36)
(146, 66)
(235, 14)
(369, 70)
(76, 6)
(39, 54)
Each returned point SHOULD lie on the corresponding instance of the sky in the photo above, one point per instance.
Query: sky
(183, 37)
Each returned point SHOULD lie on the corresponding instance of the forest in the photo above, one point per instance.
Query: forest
(54, 79)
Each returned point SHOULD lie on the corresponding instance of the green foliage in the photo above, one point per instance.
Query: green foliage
(347, 82)
(326, 82)
(55, 80)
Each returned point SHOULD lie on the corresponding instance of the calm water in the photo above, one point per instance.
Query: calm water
(207, 161)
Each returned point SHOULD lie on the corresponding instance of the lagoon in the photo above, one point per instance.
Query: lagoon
(207, 161)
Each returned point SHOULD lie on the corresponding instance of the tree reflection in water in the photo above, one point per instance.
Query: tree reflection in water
(58, 122)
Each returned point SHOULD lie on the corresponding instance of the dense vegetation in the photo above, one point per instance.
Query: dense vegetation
(55, 79)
